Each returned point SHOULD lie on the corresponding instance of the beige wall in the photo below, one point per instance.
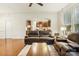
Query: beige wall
(16, 23)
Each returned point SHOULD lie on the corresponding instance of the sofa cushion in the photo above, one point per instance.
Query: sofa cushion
(74, 45)
(44, 33)
(63, 48)
(33, 34)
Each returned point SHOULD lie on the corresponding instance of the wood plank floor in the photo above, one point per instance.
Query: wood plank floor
(38, 49)
(11, 47)
(52, 50)
(2, 47)
(42, 49)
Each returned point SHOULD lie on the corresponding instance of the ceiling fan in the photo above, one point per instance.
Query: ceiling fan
(30, 4)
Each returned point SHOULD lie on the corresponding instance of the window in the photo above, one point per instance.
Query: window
(76, 23)
(67, 19)
(71, 17)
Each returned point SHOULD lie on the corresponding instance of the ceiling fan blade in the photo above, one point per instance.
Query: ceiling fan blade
(40, 4)
(30, 4)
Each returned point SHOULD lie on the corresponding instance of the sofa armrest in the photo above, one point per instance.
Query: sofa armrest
(74, 45)
(63, 48)
(26, 36)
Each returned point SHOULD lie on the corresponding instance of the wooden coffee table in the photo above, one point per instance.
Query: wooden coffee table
(38, 49)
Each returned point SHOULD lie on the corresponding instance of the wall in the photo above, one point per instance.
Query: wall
(13, 24)
(60, 21)
(2, 27)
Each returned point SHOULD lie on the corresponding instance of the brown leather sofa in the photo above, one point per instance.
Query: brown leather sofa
(74, 43)
(74, 37)
(69, 48)
(62, 48)
(39, 36)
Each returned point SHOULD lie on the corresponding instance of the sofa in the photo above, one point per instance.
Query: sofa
(39, 36)
(69, 48)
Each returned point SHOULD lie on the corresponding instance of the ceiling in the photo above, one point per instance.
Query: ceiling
(23, 7)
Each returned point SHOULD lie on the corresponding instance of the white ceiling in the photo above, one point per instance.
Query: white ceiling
(23, 7)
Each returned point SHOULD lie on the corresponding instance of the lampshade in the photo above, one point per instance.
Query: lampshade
(28, 26)
(63, 28)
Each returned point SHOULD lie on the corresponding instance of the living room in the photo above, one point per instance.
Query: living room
(39, 25)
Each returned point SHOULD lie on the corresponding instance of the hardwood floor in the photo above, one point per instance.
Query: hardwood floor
(52, 50)
(41, 49)
(38, 49)
(11, 47)
(2, 47)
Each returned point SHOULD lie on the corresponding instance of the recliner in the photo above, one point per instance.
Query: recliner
(64, 48)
